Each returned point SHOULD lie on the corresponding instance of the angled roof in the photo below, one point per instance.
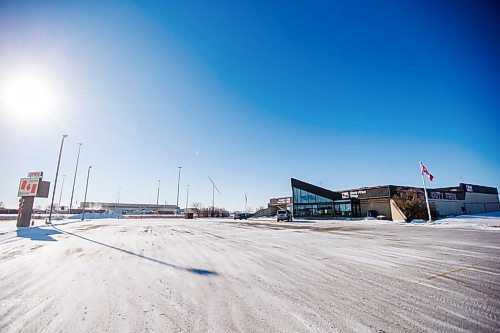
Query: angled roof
(316, 190)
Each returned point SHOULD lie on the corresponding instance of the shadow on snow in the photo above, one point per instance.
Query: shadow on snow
(37, 233)
(187, 269)
(302, 221)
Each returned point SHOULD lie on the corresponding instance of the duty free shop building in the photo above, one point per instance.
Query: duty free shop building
(312, 201)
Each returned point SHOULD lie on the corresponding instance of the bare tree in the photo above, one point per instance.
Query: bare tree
(197, 207)
(214, 212)
(55, 207)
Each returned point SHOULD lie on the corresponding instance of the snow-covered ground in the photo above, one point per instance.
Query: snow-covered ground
(482, 221)
(221, 275)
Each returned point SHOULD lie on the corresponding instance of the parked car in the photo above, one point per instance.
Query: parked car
(283, 215)
(242, 216)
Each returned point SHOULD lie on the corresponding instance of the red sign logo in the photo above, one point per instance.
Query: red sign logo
(28, 187)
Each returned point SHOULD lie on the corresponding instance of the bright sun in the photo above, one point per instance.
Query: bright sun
(28, 96)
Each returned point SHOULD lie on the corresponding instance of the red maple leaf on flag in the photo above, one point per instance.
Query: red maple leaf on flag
(424, 170)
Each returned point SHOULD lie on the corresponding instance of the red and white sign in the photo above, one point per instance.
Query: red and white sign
(28, 187)
(35, 174)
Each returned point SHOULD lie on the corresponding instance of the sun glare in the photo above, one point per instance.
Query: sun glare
(28, 97)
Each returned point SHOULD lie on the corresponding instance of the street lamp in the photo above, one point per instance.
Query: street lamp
(86, 188)
(178, 184)
(158, 194)
(55, 181)
(187, 199)
(74, 178)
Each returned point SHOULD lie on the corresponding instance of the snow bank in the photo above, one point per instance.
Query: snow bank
(488, 221)
(95, 216)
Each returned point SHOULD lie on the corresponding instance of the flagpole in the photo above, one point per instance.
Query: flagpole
(425, 192)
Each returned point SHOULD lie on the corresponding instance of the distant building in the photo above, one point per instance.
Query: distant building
(313, 201)
(281, 203)
(130, 208)
(273, 206)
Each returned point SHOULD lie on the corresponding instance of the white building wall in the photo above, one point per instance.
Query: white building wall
(448, 207)
(471, 197)
(478, 203)
(482, 207)
(474, 203)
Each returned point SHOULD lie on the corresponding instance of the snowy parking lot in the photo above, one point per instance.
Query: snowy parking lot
(172, 275)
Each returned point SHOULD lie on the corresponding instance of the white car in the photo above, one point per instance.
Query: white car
(283, 215)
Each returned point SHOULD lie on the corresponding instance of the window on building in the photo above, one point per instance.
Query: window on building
(310, 204)
(301, 196)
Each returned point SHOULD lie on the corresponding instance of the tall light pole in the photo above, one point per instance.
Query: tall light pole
(55, 181)
(158, 193)
(187, 199)
(86, 188)
(74, 178)
(60, 194)
(178, 184)
(118, 199)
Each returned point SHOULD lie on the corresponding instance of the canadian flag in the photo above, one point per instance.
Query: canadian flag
(424, 170)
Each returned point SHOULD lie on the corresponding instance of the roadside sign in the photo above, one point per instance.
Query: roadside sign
(43, 189)
(28, 187)
(35, 174)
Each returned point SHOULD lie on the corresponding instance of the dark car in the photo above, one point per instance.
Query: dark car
(242, 216)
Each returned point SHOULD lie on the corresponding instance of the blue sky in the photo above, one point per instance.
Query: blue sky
(342, 94)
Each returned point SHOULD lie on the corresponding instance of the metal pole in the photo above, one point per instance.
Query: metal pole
(86, 188)
(60, 194)
(158, 193)
(74, 178)
(187, 198)
(118, 201)
(213, 200)
(55, 181)
(425, 192)
(178, 184)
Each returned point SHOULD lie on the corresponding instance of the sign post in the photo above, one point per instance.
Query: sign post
(29, 188)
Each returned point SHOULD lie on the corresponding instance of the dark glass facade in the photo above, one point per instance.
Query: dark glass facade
(307, 203)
